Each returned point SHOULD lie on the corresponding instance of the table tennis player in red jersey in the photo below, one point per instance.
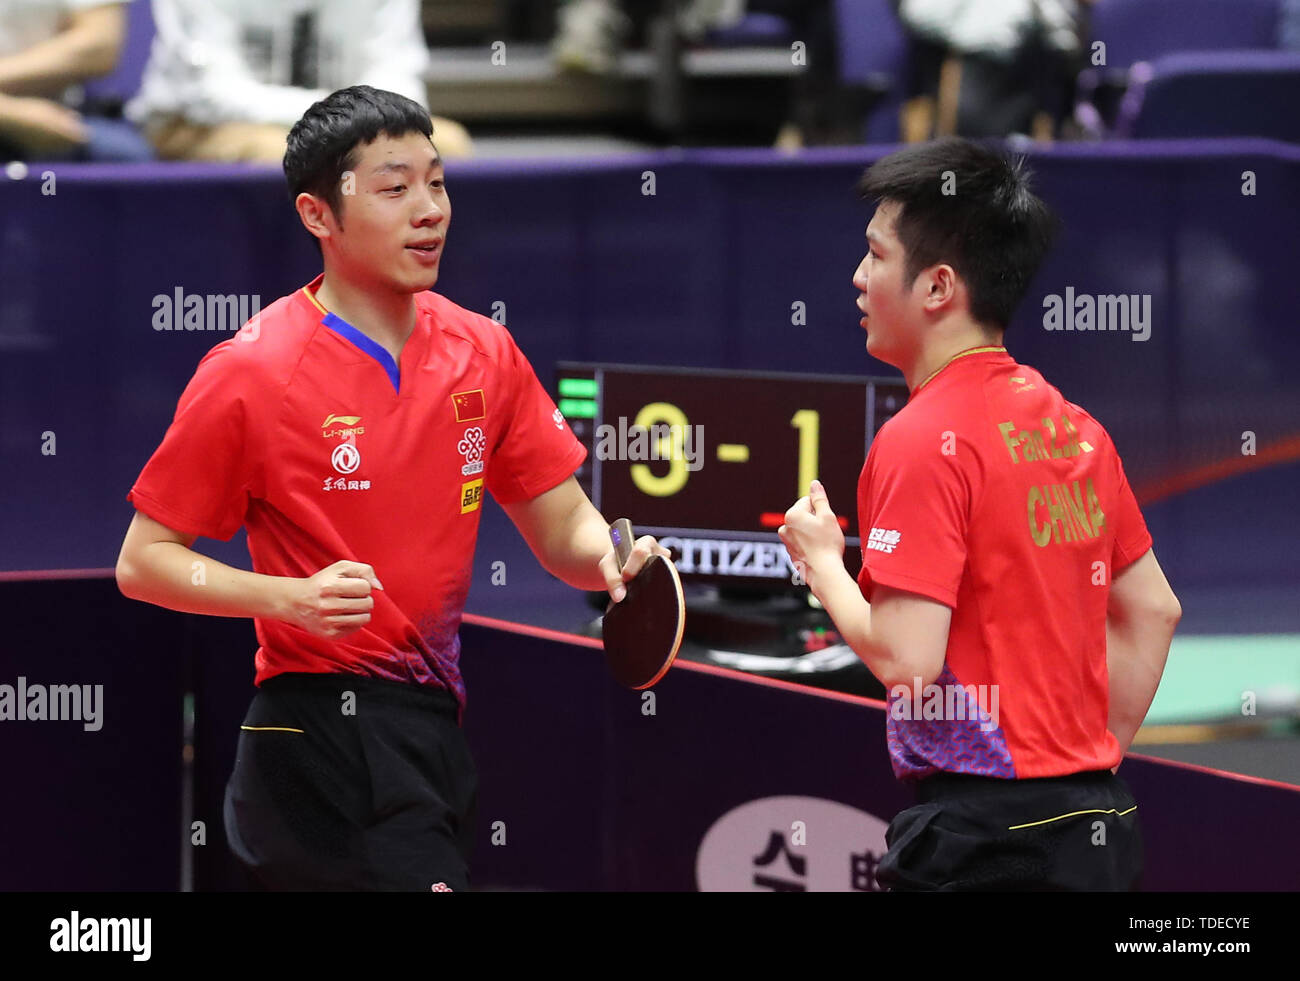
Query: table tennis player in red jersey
(352, 428)
(1009, 599)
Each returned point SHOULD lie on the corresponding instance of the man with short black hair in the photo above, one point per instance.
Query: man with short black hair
(353, 427)
(1009, 599)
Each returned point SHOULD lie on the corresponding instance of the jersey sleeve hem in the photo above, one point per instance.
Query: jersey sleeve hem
(546, 480)
(185, 524)
(911, 584)
(1130, 554)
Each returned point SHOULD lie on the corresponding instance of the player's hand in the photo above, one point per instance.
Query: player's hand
(812, 533)
(334, 602)
(644, 547)
(42, 125)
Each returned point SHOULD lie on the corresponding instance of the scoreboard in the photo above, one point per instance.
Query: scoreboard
(708, 461)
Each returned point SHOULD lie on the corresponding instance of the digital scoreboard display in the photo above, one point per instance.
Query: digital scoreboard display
(708, 461)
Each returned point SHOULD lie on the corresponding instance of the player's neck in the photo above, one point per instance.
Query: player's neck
(935, 355)
(385, 317)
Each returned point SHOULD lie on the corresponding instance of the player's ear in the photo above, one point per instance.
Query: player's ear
(940, 284)
(315, 214)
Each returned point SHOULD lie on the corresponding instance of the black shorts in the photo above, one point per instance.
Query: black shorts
(1078, 832)
(379, 799)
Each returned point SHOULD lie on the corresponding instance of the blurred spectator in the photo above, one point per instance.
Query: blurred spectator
(47, 47)
(591, 34)
(227, 78)
(818, 113)
(991, 67)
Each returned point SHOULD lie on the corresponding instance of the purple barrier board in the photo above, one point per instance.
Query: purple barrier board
(724, 781)
(711, 780)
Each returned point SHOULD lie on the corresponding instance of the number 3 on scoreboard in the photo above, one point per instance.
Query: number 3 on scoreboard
(666, 425)
(809, 423)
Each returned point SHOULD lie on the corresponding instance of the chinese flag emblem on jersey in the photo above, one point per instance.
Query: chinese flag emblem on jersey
(469, 405)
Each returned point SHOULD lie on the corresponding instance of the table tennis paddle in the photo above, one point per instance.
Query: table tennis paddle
(643, 631)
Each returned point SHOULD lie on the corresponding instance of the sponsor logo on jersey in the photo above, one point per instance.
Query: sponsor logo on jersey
(471, 447)
(471, 496)
(346, 458)
(884, 539)
(344, 426)
(339, 484)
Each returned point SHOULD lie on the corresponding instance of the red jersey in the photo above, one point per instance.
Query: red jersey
(990, 493)
(308, 433)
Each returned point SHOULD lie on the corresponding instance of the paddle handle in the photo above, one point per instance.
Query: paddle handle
(620, 533)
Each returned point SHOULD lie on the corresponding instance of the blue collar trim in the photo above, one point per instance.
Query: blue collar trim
(371, 347)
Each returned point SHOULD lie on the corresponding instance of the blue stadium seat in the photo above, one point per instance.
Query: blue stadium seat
(1214, 94)
(873, 53)
(754, 30)
(123, 83)
(1140, 30)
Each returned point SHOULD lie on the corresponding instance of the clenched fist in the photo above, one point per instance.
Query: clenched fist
(334, 602)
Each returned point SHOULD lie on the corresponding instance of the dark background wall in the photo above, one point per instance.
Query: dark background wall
(703, 272)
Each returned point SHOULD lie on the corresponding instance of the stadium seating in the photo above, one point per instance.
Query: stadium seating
(1140, 30)
(1213, 94)
(1135, 31)
(873, 54)
(124, 81)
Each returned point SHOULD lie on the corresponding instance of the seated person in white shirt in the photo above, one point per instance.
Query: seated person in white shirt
(226, 79)
(48, 47)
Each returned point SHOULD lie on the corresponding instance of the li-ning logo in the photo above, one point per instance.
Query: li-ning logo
(883, 539)
(344, 421)
(471, 446)
(558, 419)
(346, 458)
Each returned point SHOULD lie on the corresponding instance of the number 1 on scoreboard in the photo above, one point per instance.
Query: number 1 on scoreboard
(808, 422)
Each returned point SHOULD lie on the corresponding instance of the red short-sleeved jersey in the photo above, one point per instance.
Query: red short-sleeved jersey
(993, 495)
(304, 430)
